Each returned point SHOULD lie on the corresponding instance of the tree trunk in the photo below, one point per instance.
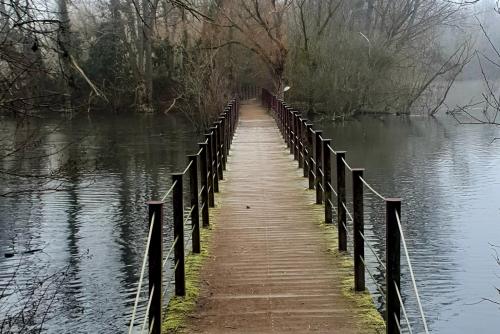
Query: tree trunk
(148, 54)
(64, 43)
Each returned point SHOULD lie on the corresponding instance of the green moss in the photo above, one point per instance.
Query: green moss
(371, 320)
(180, 307)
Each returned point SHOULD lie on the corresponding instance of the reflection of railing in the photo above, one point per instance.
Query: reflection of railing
(314, 155)
(205, 168)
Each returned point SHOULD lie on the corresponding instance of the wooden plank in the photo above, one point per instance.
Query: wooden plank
(271, 267)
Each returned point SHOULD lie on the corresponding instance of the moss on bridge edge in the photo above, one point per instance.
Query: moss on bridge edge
(371, 320)
(179, 308)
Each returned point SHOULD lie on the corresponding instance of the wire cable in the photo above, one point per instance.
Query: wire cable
(332, 189)
(169, 191)
(415, 289)
(403, 308)
(379, 288)
(147, 309)
(347, 165)
(347, 211)
(373, 251)
(170, 252)
(370, 187)
(187, 167)
(332, 150)
(141, 277)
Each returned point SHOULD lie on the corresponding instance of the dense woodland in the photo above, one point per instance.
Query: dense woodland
(340, 57)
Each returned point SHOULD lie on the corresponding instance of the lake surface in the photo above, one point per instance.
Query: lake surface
(448, 176)
(85, 242)
(91, 233)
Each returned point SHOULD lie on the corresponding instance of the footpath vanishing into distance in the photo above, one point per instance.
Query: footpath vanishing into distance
(273, 265)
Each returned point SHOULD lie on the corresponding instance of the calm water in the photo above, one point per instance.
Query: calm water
(448, 177)
(90, 234)
(85, 242)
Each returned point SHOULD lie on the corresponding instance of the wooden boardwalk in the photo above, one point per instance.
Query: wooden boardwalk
(272, 266)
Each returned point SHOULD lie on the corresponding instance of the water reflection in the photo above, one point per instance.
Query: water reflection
(91, 232)
(448, 177)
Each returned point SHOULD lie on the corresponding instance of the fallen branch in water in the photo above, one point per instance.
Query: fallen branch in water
(173, 104)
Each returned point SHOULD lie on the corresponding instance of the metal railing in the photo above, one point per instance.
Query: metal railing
(205, 168)
(247, 92)
(315, 155)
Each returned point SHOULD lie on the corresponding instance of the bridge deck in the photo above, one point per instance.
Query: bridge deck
(272, 267)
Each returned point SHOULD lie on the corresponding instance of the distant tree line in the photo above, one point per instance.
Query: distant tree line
(340, 57)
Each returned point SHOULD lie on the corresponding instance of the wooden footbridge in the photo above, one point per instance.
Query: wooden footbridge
(275, 259)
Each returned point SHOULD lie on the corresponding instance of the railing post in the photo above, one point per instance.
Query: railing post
(210, 174)
(218, 151)
(178, 207)
(215, 159)
(227, 115)
(317, 156)
(302, 155)
(295, 116)
(195, 213)
(291, 130)
(327, 180)
(310, 155)
(222, 141)
(341, 214)
(204, 184)
(283, 123)
(393, 263)
(155, 257)
(358, 229)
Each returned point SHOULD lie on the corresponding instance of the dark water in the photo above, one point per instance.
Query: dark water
(448, 177)
(87, 239)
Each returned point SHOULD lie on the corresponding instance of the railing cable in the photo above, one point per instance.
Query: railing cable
(412, 274)
(347, 165)
(188, 215)
(168, 191)
(332, 150)
(187, 167)
(373, 251)
(152, 326)
(141, 277)
(170, 252)
(379, 288)
(332, 189)
(403, 308)
(370, 187)
(147, 309)
(347, 211)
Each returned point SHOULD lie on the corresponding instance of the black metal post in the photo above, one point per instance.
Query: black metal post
(178, 207)
(218, 150)
(310, 156)
(341, 214)
(155, 257)
(393, 263)
(195, 213)
(358, 229)
(204, 184)
(222, 146)
(215, 159)
(327, 180)
(317, 156)
(210, 174)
